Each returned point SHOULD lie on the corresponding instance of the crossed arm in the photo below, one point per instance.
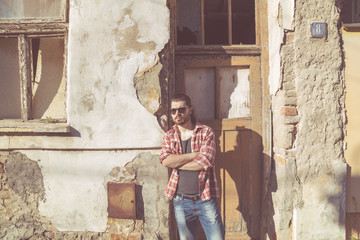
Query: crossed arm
(195, 161)
(183, 161)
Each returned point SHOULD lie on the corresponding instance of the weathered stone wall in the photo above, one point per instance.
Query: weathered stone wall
(53, 186)
(22, 189)
(308, 187)
(152, 210)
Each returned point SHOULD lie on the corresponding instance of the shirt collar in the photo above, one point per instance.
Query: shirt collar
(196, 128)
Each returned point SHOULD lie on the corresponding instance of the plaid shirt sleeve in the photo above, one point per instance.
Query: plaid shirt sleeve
(166, 148)
(207, 149)
(203, 142)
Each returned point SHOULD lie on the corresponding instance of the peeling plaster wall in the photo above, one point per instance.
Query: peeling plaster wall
(146, 171)
(280, 18)
(104, 57)
(75, 186)
(111, 44)
(307, 86)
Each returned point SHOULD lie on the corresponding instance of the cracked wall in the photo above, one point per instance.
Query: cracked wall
(21, 189)
(117, 81)
(152, 87)
(308, 128)
(42, 200)
(152, 205)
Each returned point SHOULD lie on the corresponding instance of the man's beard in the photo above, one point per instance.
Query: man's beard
(181, 121)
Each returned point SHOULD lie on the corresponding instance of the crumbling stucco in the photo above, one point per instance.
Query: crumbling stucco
(24, 177)
(152, 87)
(105, 56)
(21, 188)
(280, 19)
(152, 205)
(308, 184)
(148, 88)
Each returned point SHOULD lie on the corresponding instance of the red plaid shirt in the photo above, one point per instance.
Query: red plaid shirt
(203, 141)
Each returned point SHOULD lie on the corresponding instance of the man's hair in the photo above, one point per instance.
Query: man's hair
(181, 97)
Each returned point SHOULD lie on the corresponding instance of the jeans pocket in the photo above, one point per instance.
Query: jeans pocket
(176, 199)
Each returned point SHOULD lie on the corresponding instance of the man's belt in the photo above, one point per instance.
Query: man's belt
(188, 197)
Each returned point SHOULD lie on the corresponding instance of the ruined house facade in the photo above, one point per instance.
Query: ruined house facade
(84, 105)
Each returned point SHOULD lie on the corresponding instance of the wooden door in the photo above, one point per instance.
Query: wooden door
(226, 93)
(220, 61)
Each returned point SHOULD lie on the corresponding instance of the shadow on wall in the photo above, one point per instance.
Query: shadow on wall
(49, 71)
(239, 159)
(240, 176)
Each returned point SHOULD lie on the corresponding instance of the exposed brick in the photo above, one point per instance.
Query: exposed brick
(290, 101)
(118, 237)
(2, 176)
(290, 93)
(134, 236)
(290, 36)
(288, 128)
(288, 111)
(292, 119)
(3, 156)
(5, 195)
(289, 85)
(4, 186)
(280, 159)
(289, 76)
(291, 152)
(283, 139)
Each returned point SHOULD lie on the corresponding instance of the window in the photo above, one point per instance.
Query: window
(215, 22)
(33, 43)
(351, 13)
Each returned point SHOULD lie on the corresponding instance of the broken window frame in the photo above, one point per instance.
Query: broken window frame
(25, 30)
(230, 48)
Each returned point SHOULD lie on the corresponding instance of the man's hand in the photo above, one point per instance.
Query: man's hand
(178, 160)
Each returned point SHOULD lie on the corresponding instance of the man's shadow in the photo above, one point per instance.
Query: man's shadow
(246, 199)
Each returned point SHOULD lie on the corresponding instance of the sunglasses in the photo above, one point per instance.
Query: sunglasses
(181, 110)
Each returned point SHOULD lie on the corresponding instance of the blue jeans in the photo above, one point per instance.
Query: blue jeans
(186, 213)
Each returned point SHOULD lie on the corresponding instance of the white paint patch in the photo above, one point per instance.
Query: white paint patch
(148, 15)
(75, 186)
(288, 9)
(102, 102)
(295, 222)
(276, 35)
(234, 83)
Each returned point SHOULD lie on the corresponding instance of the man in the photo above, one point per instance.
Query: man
(189, 149)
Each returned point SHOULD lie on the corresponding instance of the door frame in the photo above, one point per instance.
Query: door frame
(260, 48)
